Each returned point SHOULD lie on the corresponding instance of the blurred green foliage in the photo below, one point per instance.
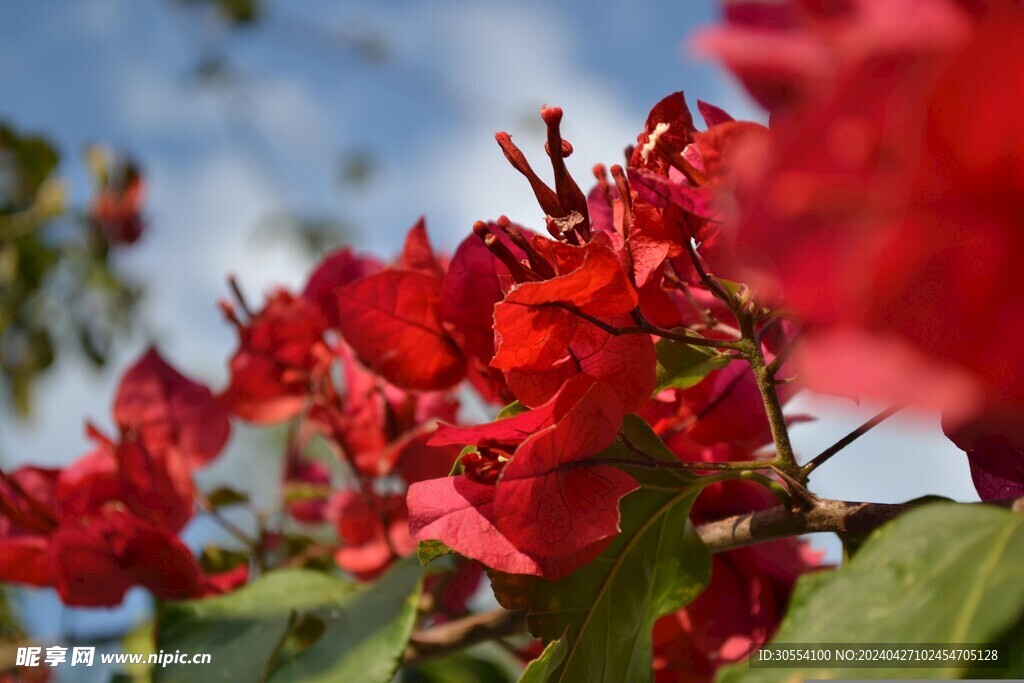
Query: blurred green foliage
(58, 290)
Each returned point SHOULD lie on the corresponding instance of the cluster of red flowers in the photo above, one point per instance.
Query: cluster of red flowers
(368, 357)
(116, 211)
(381, 417)
(878, 215)
(109, 521)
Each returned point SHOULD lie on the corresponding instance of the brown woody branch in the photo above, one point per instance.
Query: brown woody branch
(781, 522)
(823, 516)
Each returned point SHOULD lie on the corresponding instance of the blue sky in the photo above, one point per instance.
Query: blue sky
(220, 161)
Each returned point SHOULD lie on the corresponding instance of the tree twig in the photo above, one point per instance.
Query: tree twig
(646, 327)
(713, 285)
(240, 296)
(204, 504)
(785, 457)
(686, 465)
(458, 634)
(822, 457)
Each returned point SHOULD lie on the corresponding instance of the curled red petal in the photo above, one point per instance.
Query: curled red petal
(713, 115)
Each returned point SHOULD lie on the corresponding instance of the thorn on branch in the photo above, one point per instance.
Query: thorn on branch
(801, 498)
(240, 297)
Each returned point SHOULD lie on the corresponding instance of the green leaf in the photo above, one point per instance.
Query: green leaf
(296, 625)
(945, 573)
(457, 468)
(682, 366)
(733, 288)
(852, 542)
(32, 159)
(428, 551)
(640, 435)
(543, 667)
(1014, 640)
(511, 410)
(214, 559)
(605, 611)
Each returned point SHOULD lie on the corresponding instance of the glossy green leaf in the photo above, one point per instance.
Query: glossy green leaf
(682, 366)
(545, 666)
(605, 611)
(945, 573)
(296, 625)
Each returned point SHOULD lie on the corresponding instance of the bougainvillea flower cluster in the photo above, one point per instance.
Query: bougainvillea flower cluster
(367, 357)
(110, 520)
(862, 244)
